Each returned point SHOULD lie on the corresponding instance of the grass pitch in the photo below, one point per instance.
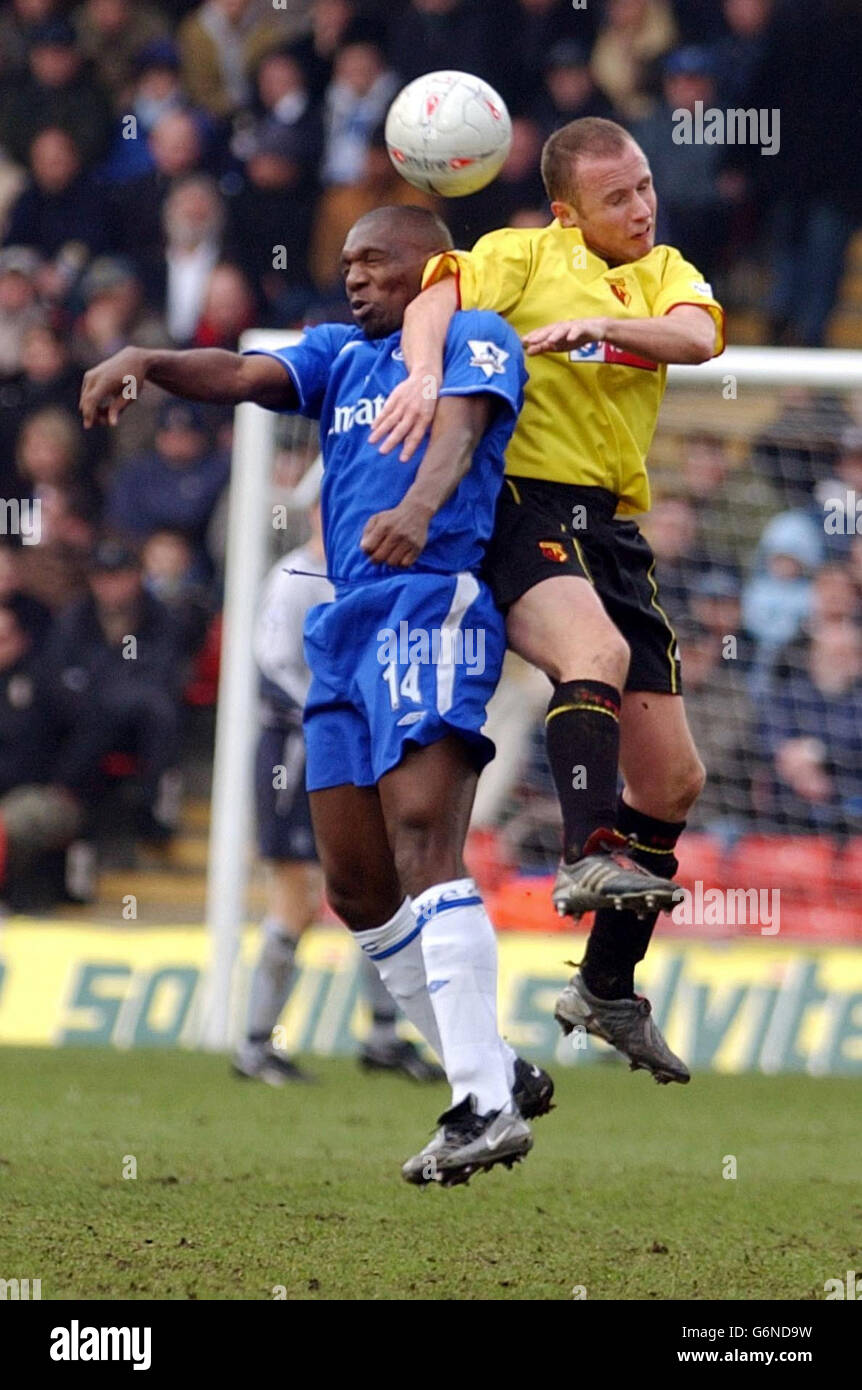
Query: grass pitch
(241, 1189)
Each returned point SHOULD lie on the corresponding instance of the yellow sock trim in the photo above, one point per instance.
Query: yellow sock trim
(596, 709)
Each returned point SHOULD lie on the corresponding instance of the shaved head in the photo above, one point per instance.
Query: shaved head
(382, 262)
(418, 227)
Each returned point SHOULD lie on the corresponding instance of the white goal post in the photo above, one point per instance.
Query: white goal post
(248, 531)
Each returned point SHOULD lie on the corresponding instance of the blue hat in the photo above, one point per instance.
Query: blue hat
(793, 533)
(690, 61)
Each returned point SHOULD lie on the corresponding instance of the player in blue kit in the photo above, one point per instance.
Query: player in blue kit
(404, 660)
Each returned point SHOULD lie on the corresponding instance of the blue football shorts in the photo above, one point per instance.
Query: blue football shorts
(405, 660)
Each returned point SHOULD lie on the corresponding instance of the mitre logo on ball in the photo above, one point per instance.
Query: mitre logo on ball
(448, 133)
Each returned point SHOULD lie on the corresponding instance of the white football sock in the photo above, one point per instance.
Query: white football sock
(396, 950)
(271, 982)
(460, 952)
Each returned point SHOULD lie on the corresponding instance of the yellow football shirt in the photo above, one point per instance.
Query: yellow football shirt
(589, 415)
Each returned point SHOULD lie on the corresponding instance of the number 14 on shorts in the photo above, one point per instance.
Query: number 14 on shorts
(408, 688)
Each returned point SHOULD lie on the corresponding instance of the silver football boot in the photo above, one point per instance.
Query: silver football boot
(467, 1143)
(624, 1023)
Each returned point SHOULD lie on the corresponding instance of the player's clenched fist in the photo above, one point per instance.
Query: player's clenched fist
(112, 385)
(398, 536)
(562, 337)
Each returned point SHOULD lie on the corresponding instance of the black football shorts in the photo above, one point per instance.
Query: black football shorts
(544, 529)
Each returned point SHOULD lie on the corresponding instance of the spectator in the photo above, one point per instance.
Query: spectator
(168, 563)
(692, 212)
(277, 201)
(156, 92)
(220, 44)
(49, 450)
(537, 27)
(729, 493)
(284, 97)
(56, 91)
(114, 314)
(17, 25)
(174, 487)
(194, 219)
(110, 34)
(62, 206)
(49, 453)
(19, 305)
(54, 572)
(812, 73)
(739, 52)
(776, 602)
(116, 662)
(465, 35)
(568, 89)
(59, 505)
(722, 721)
(715, 605)
(229, 308)
(37, 815)
(811, 726)
(48, 377)
(176, 149)
(635, 34)
(330, 23)
(834, 597)
(356, 101)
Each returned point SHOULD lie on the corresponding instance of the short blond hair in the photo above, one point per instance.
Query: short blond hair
(592, 137)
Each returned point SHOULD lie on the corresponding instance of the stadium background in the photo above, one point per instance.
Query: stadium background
(153, 158)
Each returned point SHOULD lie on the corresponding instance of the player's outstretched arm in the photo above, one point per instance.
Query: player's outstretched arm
(197, 374)
(398, 536)
(409, 410)
(686, 334)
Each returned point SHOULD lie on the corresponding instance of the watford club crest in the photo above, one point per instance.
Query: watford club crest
(553, 550)
(618, 287)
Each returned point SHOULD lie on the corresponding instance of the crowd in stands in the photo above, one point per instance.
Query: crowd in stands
(172, 173)
(759, 562)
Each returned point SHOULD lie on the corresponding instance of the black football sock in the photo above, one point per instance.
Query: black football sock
(582, 731)
(619, 940)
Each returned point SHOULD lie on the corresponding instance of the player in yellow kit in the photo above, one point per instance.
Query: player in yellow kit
(601, 311)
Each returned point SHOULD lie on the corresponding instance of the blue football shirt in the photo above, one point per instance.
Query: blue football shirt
(343, 378)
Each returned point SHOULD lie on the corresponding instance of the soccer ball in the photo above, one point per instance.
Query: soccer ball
(449, 133)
